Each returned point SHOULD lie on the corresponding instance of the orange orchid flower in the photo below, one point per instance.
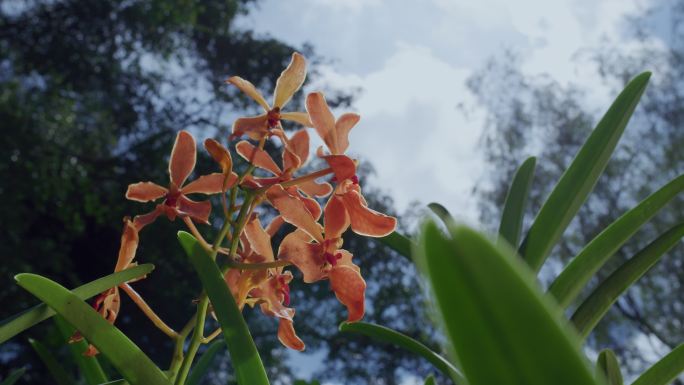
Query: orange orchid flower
(317, 251)
(268, 288)
(335, 135)
(289, 82)
(176, 202)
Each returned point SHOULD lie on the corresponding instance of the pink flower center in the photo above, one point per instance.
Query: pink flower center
(332, 259)
(273, 117)
(171, 198)
(284, 289)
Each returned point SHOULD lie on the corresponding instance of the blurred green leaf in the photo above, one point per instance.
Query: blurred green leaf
(595, 306)
(13, 377)
(385, 334)
(582, 267)
(205, 362)
(126, 357)
(24, 320)
(56, 370)
(397, 242)
(430, 380)
(664, 371)
(607, 365)
(249, 369)
(503, 329)
(441, 212)
(89, 366)
(581, 176)
(516, 201)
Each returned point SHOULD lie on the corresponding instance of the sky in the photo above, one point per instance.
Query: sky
(411, 60)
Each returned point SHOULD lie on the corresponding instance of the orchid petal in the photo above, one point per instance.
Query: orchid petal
(275, 225)
(183, 158)
(198, 211)
(349, 288)
(220, 154)
(297, 151)
(312, 206)
(257, 157)
(315, 189)
(287, 335)
(145, 219)
(294, 211)
(307, 257)
(129, 244)
(254, 126)
(271, 294)
(145, 191)
(259, 240)
(343, 125)
(297, 117)
(290, 80)
(322, 119)
(249, 89)
(336, 219)
(365, 221)
(210, 184)
(342, 165)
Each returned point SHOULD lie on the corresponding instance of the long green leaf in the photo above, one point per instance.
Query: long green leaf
(441, 212)
(58, 373)
(249, 369)
(608, 367)
(205, 362)
(584, 265)
(124, 355)
(503, 329)
(595, 306)
(385, 334)
(581, 176)
(13, 377)
(89, 366)
(516, 201)
(397, 242)
(430, 380)
(664, 371)
(24, 320)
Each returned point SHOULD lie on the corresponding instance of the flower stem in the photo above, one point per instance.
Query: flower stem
(158, 322)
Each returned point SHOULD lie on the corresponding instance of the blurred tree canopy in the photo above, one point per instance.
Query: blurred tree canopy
(535, 115)
(91, 96)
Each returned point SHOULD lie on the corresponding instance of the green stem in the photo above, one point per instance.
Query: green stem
(177, 359)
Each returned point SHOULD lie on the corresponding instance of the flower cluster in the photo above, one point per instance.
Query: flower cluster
(255, 274)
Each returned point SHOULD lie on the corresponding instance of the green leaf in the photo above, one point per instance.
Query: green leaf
(397, 242)
(249, 369)
(504, 330)
(26, 319)
(581, 176)
(595, 306)
(124, 355)
(430, 380)
(385, 334)
(608, 367)
(205, 362)
(516, 201)
(13, 377)
(584, 265)
(89, 366)
(664, 371)
(56, 370)
(441, 212)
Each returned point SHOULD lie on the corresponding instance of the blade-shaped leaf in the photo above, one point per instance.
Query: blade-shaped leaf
(385, 334)
(664, 371)
(24, 320)
(581, 176)
(503, 329)
(54, 367)
(397, 242)
(89, 366)
(607, 365)
(249, 369)
(584, 265)
(430, 380)
(13, 377)
(516, 201)
(205, 362)
(441, 212)
(124, 355)
(595, 306)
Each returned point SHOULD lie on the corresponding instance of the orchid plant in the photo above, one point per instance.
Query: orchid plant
(500, 327)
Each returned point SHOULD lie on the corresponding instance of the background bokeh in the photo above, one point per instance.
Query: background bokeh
(453, 97)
